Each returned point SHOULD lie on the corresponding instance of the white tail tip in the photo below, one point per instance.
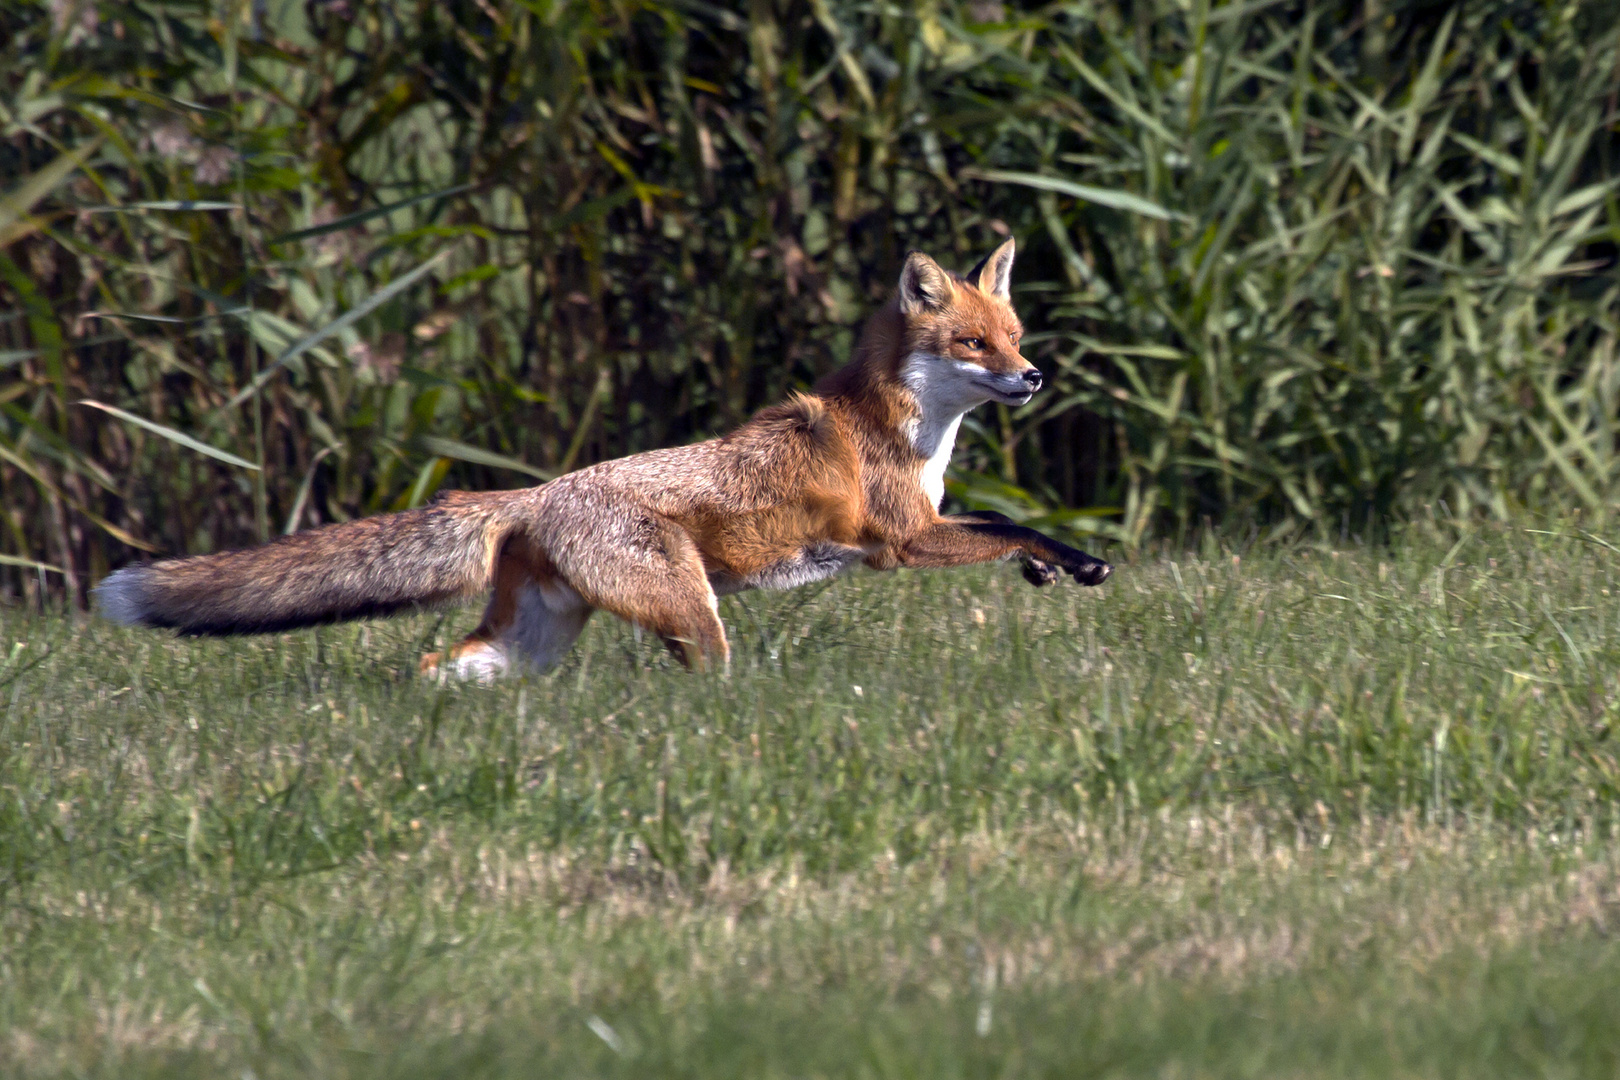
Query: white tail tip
(120, 596)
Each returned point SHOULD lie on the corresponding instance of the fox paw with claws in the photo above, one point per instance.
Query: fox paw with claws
(1084, 568)
(1039, 573)
(1089, 570)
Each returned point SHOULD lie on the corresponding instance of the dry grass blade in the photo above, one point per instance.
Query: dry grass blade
(29, 564)
(22, 199)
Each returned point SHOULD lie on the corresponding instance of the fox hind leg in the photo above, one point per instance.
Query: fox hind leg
(649, 571)
(652, 576)
(531, 622)
(696, 645)
(471, 659)
(548, 620)
(545, 620)
(536, 641)
(685, 614)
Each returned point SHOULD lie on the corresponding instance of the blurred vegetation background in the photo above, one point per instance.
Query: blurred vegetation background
(1288, 264)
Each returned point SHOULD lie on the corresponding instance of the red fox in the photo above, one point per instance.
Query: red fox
(851, 472)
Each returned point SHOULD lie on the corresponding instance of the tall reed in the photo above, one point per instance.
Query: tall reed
(1301, 264)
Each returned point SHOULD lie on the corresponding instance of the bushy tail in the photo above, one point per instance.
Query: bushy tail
(374, 566)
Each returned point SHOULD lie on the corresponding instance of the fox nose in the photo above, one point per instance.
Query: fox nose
(1032, 379)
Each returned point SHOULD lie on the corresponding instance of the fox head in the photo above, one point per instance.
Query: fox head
(961, 336)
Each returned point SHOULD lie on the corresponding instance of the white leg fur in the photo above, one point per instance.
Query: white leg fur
(483, 665)
(549, 619)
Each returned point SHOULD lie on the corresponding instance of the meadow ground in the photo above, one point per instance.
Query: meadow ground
(1300, 812)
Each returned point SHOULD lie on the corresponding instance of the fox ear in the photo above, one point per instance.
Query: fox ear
(923, 285)
(993, 275)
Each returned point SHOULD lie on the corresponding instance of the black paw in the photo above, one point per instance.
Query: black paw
(1039, 573)
(1090, 571)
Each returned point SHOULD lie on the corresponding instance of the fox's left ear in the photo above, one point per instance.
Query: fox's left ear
(994, 273)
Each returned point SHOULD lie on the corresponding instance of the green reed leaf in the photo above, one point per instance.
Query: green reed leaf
(1115, 199)
(172, 435)
(349, 318)
(461, 451)
(349, 221)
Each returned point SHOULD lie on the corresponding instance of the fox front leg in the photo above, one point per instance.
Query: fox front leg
(1055, 559)
(986, 536)
(1038, 572)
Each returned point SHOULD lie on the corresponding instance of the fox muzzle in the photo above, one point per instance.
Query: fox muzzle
(1014, 389)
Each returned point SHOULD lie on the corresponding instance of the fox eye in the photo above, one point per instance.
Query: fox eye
(971, 342)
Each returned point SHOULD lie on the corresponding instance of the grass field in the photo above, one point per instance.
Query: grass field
(1292, 812)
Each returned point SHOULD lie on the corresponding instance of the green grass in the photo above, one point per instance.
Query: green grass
(1300, 812)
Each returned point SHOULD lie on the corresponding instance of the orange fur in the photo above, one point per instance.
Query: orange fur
(806, 488)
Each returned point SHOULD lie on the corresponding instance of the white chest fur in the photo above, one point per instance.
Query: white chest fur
(935, 442)
(944, 390)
